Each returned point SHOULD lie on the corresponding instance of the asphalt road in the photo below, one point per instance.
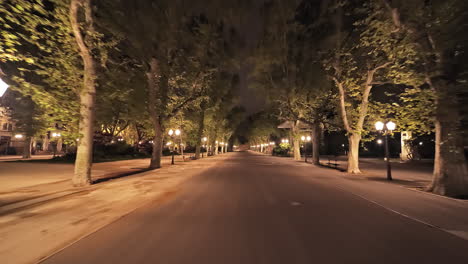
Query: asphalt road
(259, 209)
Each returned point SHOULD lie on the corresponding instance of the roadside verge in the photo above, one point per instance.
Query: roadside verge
(29, 235)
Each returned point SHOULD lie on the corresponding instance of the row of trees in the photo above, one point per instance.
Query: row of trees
(132, 68)
(333, 65)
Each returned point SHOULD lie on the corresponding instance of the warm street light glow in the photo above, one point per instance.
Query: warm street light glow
(18, 136)
(391, 126)
(168, 143)
(172, 132)
(56, 134)
(272, 143)
(216, 141)
(284, 140)
(303, 138)
(379, 125)
(420, 143)
(308, 138)
(3, 87)
(205, 139)
(386, 130)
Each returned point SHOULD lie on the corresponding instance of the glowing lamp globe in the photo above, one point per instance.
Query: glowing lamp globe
(379, 125)
(391, 126)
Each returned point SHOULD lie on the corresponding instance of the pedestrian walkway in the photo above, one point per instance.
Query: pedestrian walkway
(32, 232)
(26, 183)
(412, 173)
(19, 157)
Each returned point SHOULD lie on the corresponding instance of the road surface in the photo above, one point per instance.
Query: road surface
(254, 209)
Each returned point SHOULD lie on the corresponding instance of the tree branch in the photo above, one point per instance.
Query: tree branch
(344, 115)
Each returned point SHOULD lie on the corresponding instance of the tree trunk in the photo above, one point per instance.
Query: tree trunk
(316, 134)
(45, 143)
(84, 156)
(353, 153)
(450, 169)
(59, 144)
(27, 147)
(216, 149)
(152, 76)
(297, 149)
(201, 127)
(296, 142)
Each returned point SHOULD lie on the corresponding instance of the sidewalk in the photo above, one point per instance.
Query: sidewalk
(23, 184)
(404, 195)
(415, 173)
(19, 157)
(33, 233)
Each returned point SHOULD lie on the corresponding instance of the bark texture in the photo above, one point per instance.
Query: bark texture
(296, 141)
(27, 147)
(353, 153)
(316, 134)
(450, 167)
(84, 156)
(152, 78)
(201, 127)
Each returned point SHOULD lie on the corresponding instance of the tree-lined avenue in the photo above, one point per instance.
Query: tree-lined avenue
(260, 209)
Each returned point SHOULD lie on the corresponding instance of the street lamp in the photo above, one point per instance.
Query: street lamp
(173, 133)
(284, 140)
(306, 140)
(386, 129)
(204, 143)
(55, 135)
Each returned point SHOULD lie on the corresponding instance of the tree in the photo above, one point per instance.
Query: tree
(158, 37)
(288, 66)
(30, 120)
(84, 156)
(437, 30)
(367, 54)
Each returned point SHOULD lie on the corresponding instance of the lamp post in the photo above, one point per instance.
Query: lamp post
(172, 134)
(306, 140)
(55, 136)
(204, 144)
(386, 129)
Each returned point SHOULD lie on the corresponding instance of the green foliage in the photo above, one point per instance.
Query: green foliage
(283, 150)
(287, 65)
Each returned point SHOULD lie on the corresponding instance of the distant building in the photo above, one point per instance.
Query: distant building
(9, 144)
